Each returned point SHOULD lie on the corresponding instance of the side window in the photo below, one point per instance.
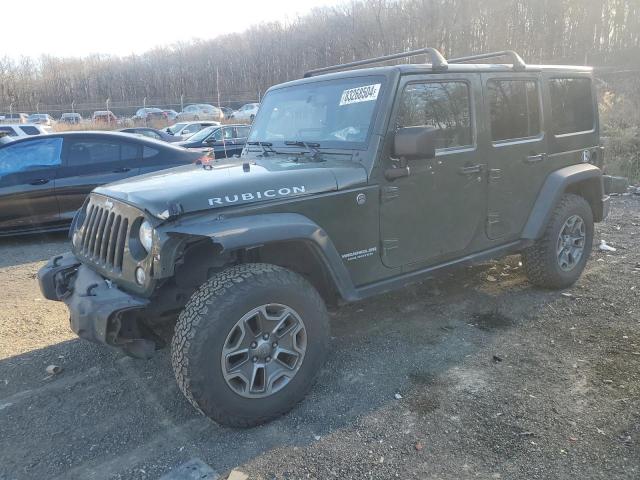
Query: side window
(217, 135)
(128, 152)
(572, 108)
(30, 130)
(30, 155)
(89, 152)
(227, 133)
(10, 131)
(444, 106)
(92, 152)
(242, 132)
(193, 128)
(515, 109)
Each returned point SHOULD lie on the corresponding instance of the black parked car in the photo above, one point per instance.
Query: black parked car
(152, 133)
(225, 140)
(45, 179)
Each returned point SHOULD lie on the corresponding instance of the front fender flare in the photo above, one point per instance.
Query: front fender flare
(256, 230)
(553, 188)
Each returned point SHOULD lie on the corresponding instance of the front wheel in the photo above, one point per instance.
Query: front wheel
(250, 343)
(557, 259)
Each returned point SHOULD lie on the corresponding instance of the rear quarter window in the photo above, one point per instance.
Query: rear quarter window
(572, 107)
(30, 130)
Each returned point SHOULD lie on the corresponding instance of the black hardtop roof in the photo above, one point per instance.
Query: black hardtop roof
(425, 68)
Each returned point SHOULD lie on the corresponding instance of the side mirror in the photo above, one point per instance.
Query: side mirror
(412, 143)
(210, 140)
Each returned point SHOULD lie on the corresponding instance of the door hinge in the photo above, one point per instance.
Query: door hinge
(390, 244)
(390, 193)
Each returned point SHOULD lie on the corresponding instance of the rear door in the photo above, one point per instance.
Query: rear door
(517, 150)
(92, 161)
(27, 184)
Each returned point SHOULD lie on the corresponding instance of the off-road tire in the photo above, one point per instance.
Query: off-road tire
(540, 260)
(207, 319)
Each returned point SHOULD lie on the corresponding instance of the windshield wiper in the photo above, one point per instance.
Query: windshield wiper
(312, 147)
(265, 146)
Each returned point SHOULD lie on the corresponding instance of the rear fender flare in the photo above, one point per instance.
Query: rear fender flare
(556, 184)
(256, 230)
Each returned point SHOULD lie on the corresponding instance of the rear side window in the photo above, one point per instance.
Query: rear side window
(89, 152)
(514, 106)
(30, 130)
(444, 106)
(30, 155)
(572, 108)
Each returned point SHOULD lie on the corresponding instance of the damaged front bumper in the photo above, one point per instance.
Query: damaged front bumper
(96, 306)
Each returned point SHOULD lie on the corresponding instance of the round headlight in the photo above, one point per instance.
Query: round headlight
(145, 234)
(141, 277)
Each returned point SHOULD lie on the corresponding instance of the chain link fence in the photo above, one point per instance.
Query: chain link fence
(127, 108)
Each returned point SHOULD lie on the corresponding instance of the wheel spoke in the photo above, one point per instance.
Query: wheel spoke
(258, 379)
(286, 357)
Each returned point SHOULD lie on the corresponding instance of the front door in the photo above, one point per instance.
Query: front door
(27, 184)
(517, 152)
(435, 212)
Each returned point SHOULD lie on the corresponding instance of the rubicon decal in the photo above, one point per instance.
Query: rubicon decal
(261, 195)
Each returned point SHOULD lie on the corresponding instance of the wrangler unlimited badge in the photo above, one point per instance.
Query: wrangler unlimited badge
(248, 196)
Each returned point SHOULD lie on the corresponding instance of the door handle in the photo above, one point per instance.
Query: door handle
(39, 181)
(470, 169)
(121, 170)
(535, 158)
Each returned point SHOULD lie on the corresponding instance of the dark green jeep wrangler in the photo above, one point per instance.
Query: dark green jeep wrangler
(352, 183)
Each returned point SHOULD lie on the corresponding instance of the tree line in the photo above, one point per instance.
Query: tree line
(241, 66)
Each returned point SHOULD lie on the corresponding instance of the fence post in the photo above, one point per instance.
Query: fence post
(38, 107)
(108, 116)
(181, 102)
(73, 110)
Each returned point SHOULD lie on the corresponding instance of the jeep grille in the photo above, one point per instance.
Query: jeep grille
(104, 237)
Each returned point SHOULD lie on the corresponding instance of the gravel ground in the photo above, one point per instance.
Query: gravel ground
(457, 378)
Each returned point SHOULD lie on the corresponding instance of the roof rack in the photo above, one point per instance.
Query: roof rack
(438, 62)
(516, 60)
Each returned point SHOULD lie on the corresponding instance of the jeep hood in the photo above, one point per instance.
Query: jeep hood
(195, 188)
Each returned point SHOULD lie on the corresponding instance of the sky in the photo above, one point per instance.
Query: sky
(121, 27)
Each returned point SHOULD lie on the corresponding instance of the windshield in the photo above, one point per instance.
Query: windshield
(335, 113)
(202, 134)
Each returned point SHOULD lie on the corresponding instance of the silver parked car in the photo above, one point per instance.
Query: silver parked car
(200, 111)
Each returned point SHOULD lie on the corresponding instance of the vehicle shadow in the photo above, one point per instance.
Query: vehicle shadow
(31, 248)
(107, 414)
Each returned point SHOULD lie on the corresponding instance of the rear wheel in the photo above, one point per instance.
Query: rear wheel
(557, 259)
(250, 343)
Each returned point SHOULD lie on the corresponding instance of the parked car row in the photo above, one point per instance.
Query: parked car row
(146, 115)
